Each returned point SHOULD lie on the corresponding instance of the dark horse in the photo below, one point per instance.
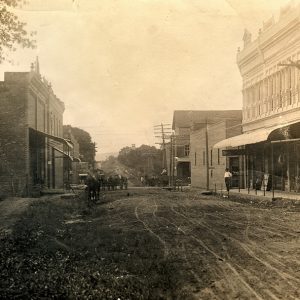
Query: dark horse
(92, 187)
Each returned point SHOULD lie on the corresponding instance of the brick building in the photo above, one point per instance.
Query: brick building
(270, 69)
(32, 146)
(179, 156)
(207, 168)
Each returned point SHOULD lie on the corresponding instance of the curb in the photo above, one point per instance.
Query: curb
(262, 200)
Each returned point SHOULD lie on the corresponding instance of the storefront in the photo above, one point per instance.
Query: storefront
(49, 159)
(271, 156)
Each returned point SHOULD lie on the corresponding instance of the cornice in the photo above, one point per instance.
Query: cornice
(41, 87)
(267, 39)
(273, 116)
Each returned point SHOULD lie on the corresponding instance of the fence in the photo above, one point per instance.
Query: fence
(262, 184)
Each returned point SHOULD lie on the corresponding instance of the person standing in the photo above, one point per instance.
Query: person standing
(227, 178)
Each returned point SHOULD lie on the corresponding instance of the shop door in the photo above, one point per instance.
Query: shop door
(234, 167)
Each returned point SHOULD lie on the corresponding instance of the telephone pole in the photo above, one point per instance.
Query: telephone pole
(207, 155)
(163, 132)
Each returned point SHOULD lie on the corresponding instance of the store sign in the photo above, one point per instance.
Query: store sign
(233, 152)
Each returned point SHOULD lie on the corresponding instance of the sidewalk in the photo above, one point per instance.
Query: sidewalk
(268, 195)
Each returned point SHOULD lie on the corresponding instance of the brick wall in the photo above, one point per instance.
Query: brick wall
(14, 135)
(234, 127)
(216, 162)
(24, 103)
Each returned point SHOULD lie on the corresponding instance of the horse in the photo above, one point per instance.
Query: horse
(92, 184)
(123, 183)
(110, 183)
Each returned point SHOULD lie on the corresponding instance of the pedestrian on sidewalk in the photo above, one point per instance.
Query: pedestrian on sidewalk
(227, 178)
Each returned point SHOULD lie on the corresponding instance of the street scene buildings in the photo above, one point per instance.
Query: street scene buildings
(32, 145)
(191, 146)
(260, 143)
(208, 163)
(207, 207)
(271, 112)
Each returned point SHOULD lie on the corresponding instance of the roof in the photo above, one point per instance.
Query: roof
(187, 118)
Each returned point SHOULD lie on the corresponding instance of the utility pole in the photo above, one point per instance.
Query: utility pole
(207, 155)
(171, 161)
(176, 140)
(163, 132)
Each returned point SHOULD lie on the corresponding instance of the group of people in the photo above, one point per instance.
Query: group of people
(96, 182)
(161, 180)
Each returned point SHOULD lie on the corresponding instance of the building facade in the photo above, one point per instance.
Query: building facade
(270, 70)
(208, 163)
(179, 155)
(72, 162)
(31, 134)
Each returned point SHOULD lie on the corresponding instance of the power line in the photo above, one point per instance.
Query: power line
(163, 132)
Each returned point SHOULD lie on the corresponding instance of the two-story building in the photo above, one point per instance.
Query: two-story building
(185, 122)
(270, 70)
(31, 134)
(208, 163)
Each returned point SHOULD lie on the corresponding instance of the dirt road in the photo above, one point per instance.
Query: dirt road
(154, 244)
(222, 249)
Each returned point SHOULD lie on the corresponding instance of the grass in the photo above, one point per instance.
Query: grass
(63, 249)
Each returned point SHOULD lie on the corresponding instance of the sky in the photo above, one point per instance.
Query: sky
(123, 66)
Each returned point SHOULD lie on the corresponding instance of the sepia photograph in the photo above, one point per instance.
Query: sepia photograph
(150, 149)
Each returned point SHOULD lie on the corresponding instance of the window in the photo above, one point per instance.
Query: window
(211, 157)
(51, 125)
(218, 156)
(204, 157)
(195, 158)
(186, 150)
(289, 87)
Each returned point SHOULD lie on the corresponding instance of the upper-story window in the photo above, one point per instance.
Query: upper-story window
(289, 86)
(51, 124)
(59, 128)
(186, 150)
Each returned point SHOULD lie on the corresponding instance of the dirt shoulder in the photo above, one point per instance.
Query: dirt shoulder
(10, 210)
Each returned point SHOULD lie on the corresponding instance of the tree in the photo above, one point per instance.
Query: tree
(145, 159)
(87, 148)
(12, 30)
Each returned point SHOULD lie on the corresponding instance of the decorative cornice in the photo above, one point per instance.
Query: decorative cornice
(268, 38)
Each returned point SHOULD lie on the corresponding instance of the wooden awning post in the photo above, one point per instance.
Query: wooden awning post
(272, 159)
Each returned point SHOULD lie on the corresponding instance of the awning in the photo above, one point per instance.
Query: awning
(66, 142)
(64, 153)
(252, 137)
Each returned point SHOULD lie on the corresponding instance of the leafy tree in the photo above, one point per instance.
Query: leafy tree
(145, 159)
(87, 148)
(12, 30)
